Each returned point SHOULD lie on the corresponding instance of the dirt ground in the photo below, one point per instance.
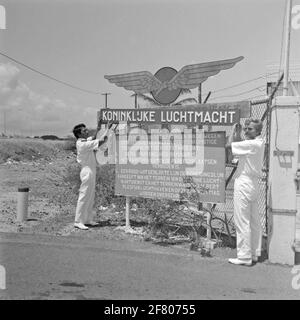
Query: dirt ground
(45, 214)
(49, 214)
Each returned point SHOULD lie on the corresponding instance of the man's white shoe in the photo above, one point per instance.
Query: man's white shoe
(92, 223)
(241, 262)
(80, 226)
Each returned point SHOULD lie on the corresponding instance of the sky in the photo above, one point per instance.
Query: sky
(80, 41)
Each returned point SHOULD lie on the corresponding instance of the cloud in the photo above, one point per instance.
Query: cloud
(32, 113)
(8, 81)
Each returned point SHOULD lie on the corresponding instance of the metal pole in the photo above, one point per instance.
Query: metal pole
(127, 223)
(106, 94)
(200, 100)
(200, 93)
(22, 204)
(208, 221)
(4, 119)
(127, 210)
(135, 101)
(200, 126)
(287, 47)
(209, 205)
(207, 97)
(209, 127)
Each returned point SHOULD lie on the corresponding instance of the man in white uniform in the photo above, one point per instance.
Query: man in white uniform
(250, 153)
(86, 146)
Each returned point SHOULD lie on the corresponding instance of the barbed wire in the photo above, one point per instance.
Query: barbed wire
(239, 94)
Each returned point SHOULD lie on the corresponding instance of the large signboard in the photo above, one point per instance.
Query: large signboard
(156, 180)
(211, 114)
(157, 163)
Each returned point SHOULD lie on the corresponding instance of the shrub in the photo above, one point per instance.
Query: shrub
(68, 176)
(69, 145)
(26, 150)
(161, 215)
(105, 187)
(50, 137)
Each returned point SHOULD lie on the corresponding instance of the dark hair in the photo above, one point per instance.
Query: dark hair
(77, 129)
(257, 123)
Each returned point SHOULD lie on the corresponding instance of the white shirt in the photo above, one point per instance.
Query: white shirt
(251, 156)
(85, 152)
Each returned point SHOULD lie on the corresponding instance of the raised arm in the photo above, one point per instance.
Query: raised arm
(235, 135)
(103, 138)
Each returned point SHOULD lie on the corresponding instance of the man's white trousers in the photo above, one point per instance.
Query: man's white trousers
(85, 203)
(246, 217)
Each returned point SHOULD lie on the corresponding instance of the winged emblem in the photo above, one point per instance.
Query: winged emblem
(188, 77)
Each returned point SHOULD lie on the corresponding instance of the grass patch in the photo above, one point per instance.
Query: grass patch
(18, 149)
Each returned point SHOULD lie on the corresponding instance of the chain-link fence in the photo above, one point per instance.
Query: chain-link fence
(258, 110)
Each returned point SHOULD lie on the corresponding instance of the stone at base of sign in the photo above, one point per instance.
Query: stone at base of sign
(210, 244)
(205, 246)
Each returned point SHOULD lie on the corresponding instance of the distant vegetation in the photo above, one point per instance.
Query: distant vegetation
(50, 137)
(23, 149)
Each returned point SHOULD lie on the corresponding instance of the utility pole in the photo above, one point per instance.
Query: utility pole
(106, 94)
(105, 105)
(4, 121)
